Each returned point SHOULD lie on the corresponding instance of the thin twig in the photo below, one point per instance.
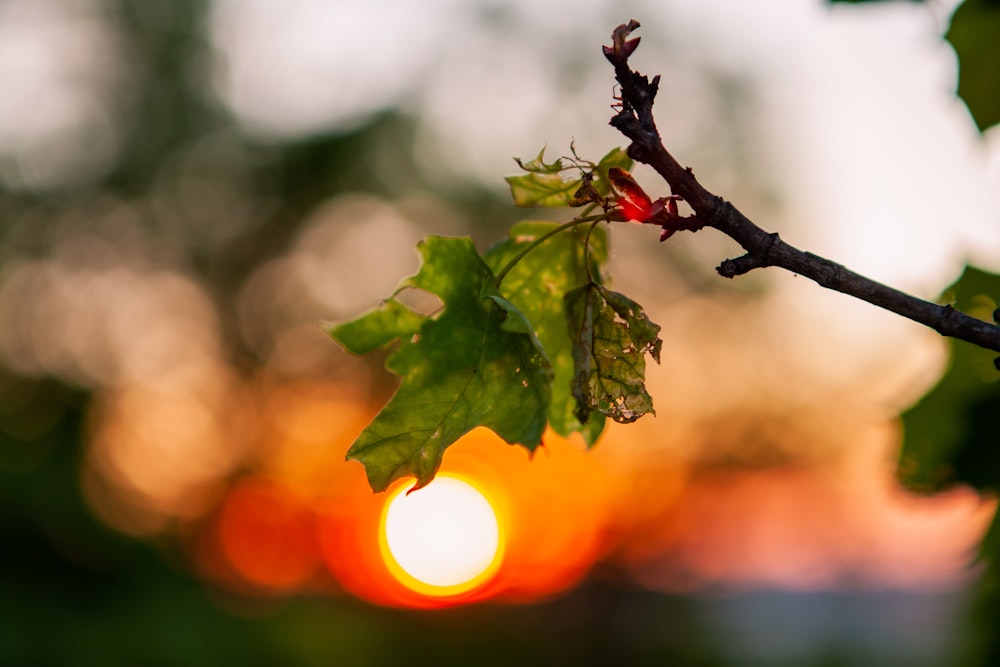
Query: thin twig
(635, 121)
(544, 237)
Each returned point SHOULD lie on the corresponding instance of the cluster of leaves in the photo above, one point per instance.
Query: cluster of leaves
(528, 335)
(950, 435)
(973, 34)
(950, 438)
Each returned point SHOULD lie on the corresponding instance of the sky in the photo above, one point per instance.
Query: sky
(853, 106)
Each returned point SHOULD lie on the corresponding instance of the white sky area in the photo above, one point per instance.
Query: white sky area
(880, 166)
(851, 110)
(56, 73)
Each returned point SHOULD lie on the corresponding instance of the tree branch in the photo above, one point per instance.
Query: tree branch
(635, 121)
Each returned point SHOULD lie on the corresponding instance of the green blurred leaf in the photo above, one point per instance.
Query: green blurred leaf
(545, 185)
(951, 435)
(547, 190)
(539, 166)
(461, 369)
(377, 328)
(975, 35)
(611, 335)
(616, 157)
(537, 285)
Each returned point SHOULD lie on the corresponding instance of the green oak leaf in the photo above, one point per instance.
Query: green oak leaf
(377, 328)
(537, 285)
(467, 366)
(546, 190)
(611, 335)
(950, 435)
(974, 33)
(545, 186)
(538, 165)
(616, 157)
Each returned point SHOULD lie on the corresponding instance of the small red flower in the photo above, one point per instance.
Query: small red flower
(636, 205)
(633, 200)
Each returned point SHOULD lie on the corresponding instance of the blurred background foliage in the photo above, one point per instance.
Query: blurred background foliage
(167, 249)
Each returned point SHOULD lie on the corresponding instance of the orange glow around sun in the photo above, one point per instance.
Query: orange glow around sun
(537, 554)
(299, 519)
(306, 520)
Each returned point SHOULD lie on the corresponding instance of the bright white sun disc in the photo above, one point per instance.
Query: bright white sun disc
(444, 535)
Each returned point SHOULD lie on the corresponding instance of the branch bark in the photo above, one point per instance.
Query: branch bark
(763, 249)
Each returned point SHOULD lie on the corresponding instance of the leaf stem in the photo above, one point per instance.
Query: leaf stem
(547, 235)
(586, 253)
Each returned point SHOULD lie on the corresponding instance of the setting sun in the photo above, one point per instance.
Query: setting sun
(441, 540)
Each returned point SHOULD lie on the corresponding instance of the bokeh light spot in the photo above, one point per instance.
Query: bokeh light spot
(267, 537)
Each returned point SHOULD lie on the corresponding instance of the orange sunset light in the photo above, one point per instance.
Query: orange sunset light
(295, 517)
(522, 546)
(498, 523)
